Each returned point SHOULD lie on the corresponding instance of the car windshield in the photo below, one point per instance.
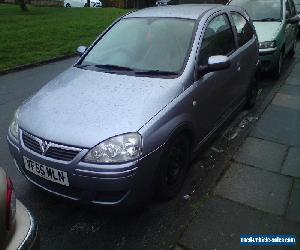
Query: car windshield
(151, 45)
(261, 10)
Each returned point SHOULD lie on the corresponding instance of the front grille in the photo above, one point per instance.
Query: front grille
(52, 150)
(61, 154)
(30, 143)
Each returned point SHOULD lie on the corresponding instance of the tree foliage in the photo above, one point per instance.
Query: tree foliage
(23, 6)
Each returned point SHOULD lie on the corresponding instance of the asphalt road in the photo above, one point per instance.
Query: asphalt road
(67, 225)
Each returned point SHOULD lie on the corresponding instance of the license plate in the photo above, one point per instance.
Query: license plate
(48, 173)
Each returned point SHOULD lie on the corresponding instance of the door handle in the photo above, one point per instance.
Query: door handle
(238, 67)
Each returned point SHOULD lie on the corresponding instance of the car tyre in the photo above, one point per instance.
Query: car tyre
(293, 49)
(252, 93)
(278, 67)
(173, 168)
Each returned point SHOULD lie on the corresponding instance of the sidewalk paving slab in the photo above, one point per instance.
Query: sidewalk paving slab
(293, 80)
(279, 124)
(293, 211)
(288, 96)
(262, 154)
(288, 101)
(255, 187)
(220, 223)
(291, 165)
(296, 70)
(290, 90)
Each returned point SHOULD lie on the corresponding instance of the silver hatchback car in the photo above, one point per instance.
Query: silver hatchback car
(123, 123)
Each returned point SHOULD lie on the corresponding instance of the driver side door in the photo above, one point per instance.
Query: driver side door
(215, 91)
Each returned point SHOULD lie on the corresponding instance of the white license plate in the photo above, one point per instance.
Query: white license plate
(50, 174)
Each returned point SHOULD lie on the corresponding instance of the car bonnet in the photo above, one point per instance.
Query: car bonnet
(82, 107)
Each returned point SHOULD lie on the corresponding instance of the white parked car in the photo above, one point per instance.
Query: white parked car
(18, 229)
(82, 3)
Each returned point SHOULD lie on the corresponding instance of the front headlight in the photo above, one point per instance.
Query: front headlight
(267, 45)
(118, 149)
(14, 127)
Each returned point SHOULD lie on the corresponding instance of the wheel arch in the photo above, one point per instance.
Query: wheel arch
(185, 129)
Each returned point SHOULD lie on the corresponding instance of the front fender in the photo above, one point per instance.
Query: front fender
(177, 116)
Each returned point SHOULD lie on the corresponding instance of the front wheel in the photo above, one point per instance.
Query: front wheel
(173, 168)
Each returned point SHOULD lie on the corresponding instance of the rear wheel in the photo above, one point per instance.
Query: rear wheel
(252, 94)
(173, 168)
(293, 49)
(278, 67)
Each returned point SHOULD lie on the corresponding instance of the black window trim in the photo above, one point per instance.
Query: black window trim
(208, 21)
(287, 2)
(236, 32)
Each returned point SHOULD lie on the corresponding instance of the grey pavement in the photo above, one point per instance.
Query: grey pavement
(222, 221)
(260, 192)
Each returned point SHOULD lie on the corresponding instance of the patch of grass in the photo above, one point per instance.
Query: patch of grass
(44, 33)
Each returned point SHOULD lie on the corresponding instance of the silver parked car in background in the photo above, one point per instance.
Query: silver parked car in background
(18, 229)
(125, 120)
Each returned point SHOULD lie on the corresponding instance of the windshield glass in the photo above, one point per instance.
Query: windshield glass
(261, 10)
(144, 44)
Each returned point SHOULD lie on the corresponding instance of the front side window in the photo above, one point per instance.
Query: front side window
(218, 39)
(144, 44)
(288, 9)
(261, 10)
(243, 28)
(293, 8)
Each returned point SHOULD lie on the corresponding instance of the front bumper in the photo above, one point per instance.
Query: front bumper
(268, 58)
(113, 185)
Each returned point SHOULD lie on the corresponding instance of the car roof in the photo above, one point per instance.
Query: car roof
(189, 11)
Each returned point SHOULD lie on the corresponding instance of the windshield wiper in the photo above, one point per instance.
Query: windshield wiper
(268, 19)
(156, 72)
(81, 66)
(113, 67)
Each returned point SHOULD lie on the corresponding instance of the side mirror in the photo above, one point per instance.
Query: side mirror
(215, 63)
(81, 50)
(293, 20)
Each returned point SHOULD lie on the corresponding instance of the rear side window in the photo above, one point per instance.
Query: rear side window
(244, 29)
(218, 39)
